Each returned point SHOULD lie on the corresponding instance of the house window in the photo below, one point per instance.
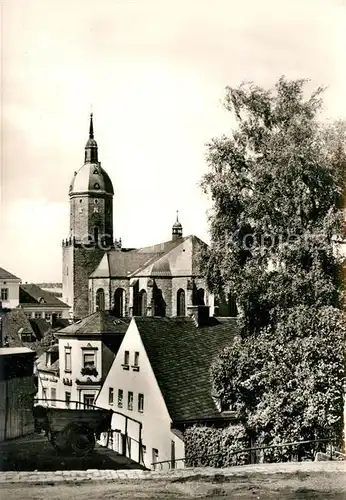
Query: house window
(141, 403)
(48, 316)
(110, 395)
(136, 359)
(67, 359)
(67, 399)
(38, 315)
(53, 396)
(44, 393)
(59, 315)
(127, 358)
(130, 400)
(120, 398)
(88, 400)
(4, 293)
(89, 360)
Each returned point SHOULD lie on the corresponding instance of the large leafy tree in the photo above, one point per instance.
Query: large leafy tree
(277, 189)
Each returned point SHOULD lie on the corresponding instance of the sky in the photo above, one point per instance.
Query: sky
(153, 72)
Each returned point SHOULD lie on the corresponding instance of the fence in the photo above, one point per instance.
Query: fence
(299, 451)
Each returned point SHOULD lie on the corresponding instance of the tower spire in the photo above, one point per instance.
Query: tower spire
(91, 146)
(91, 127)
(177, 229)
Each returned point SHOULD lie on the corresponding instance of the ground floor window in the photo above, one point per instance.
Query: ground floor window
(67, 399)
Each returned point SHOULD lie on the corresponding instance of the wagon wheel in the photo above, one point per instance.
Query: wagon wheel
(80, 438)
(59, 441)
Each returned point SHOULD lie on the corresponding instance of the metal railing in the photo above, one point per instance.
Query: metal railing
(296, 455)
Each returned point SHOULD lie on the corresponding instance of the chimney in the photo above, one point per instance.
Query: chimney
(200, 314)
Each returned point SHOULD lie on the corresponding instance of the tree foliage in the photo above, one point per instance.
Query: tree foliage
(277, 187)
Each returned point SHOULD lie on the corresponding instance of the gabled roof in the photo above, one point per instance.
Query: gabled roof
(34, 295)
(6, 275)
(40, 326)
(181, 355)
(179, 259)
(98, 323)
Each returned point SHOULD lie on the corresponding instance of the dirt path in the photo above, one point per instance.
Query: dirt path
(254, 487)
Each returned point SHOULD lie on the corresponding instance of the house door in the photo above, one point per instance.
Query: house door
(88, 400)
(123, 444)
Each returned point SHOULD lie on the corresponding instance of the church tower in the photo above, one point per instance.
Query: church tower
(91, 227)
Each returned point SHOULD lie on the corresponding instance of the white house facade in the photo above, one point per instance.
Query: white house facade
(160, 378)
(9, 289)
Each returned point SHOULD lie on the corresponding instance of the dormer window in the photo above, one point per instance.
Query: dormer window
(41, 300)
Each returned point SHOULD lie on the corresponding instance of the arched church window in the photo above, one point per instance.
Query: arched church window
(119, 303)
(181, 303)
(142, 303)
(100, 300)
(159, 302)
(97, 185)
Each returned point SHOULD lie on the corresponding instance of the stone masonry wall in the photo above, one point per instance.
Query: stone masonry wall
(85, 262)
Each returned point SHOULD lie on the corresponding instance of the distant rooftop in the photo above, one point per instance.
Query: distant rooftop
(8, 351)
(6, 275)
(33, 294)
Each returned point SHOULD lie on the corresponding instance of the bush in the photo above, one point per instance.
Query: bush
(212, 447)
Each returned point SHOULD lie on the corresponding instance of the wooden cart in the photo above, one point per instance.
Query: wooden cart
(72, 431)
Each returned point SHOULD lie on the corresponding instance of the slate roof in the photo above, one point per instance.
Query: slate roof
(127, 263)
(40, 327)
(181, 355)
(34, 295)
(100, 322)
(6, 275)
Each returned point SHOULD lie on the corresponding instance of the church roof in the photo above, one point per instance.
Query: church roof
(180, 355)
(6, 275)
(170, 258)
